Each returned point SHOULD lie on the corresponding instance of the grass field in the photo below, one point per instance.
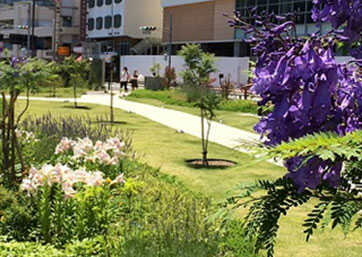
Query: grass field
(165, 148)
(59, 92)
(244, 121)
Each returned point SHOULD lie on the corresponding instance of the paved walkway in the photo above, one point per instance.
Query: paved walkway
(180, 121)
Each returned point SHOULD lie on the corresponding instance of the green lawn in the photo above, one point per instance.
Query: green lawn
(65, 92)
(244, 121)
(165, 148)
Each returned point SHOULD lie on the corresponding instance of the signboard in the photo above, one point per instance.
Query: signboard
(63, 51)
(78, 49)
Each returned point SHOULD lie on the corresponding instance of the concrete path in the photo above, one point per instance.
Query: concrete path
(180, 121)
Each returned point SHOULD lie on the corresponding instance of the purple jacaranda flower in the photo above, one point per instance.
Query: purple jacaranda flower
(309, 91)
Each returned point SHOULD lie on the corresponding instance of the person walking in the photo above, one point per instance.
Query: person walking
(124, 78)
(134, 80)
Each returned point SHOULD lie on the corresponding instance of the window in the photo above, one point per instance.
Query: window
(90, 24)
(117, 1)
(108, 2)
(99, 3)
(262, 2)
(99, 23)
(108, 22)
(91, 3)
(67, 21)
(117, 21)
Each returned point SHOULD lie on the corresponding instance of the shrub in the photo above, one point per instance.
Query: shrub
(170, 77)
(16, 249)
(189, 95)
(16, 215)
(172, 97)
(87, 248)
(246, 106)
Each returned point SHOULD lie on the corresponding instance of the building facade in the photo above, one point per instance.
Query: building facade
(203, 22)
(116, 23)
(16, 22)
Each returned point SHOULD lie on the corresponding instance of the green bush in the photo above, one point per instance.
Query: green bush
(188, 97)
(87, 248)
(16, 216)
(171, 97)
(17, 249)
(246, 106)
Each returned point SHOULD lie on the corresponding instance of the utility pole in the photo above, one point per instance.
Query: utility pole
(29, 32)
(112, 67)
(170, 42)
(54, 33)
(56, 28)
(33, 50)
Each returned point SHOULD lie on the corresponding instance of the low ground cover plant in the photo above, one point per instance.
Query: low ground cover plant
(178, 97)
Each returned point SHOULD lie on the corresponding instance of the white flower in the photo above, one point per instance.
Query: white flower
(118, 180)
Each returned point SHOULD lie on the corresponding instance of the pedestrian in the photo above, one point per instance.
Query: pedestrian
(134, 80)
(124, 78)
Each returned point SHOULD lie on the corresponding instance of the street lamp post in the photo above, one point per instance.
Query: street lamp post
(147, 30)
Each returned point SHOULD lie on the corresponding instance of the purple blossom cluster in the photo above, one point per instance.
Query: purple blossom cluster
(308, 90)
(340, 13)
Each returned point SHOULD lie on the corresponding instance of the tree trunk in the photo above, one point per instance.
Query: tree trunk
(75, 95)
(203, 140)
(111, 92)
(12, 135)
(4, 137)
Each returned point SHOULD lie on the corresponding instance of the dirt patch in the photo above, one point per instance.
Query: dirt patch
(211, 163)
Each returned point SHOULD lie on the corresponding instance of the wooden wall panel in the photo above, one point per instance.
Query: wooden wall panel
(222, 31)
(192, 22)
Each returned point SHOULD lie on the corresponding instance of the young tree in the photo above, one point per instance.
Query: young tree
(16, 76)
(155, 69)
(75, 73)
(311, 93)
(169, 78)
(199, 65)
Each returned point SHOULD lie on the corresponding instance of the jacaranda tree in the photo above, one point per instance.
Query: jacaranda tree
(310, 93)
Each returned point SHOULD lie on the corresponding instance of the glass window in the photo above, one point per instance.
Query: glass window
(91, 24)
(91, 3)
(99, 3)
(108, 22)
(99, 23)
(117, 21)
(274, 9)
(300, 19)
(299, 7)
(309, 5)
(117, 1)
(262, 2)
(67, 21)
(108, 2)
(251, 3)
(287, 8)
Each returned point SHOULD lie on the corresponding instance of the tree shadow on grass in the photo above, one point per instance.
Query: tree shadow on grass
(108, 122)
(80, 107)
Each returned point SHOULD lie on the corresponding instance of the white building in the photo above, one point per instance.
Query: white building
(16, 21)
(121, 20)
